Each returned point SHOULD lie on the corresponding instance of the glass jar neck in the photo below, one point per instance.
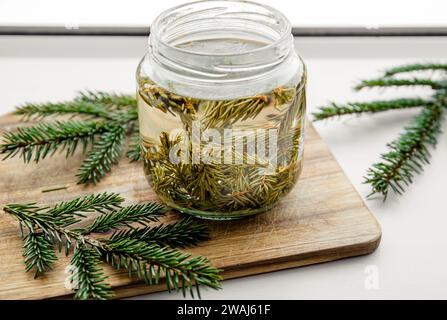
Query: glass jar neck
(221, 49)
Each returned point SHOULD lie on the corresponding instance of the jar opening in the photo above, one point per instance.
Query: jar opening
(221, 49)
(214, 27)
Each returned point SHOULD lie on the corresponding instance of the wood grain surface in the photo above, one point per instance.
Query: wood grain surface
(322, 219)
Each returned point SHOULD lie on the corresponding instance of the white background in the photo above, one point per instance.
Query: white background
(302, 13)
(412, 259)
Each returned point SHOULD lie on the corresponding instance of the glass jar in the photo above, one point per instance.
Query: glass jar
(221, 102)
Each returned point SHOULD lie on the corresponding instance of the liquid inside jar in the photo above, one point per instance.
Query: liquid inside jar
(221, 46)
(221, 159)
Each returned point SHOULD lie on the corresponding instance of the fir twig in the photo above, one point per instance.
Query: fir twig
(407, 154)
(147, 252)
(187, 232)
(38, 111)
(411, 150)
(39, 253)
(390, 82)
(104, 121)
(102, 202)
(141, 213)
(106, 152)
(148, 261)
(224, 113)
(111, 100)
(416, 67)
(45, 139)
(336, 110)
(87, 276)
(134, 151)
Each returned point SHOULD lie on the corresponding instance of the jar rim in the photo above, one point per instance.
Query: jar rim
(283, 36)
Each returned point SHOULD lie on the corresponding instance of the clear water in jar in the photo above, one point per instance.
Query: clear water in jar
(222, 159)
(221, 46)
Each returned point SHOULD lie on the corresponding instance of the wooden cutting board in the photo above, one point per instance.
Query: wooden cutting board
(322, 219)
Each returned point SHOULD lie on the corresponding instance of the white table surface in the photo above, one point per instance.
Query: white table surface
(412, 258)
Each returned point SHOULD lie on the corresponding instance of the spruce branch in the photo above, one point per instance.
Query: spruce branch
(102, 202)
(38, 142)
(87, 276)
(118, 108)
(141, 253)
(34, 217)
(149, 260)
(204, 180)
(390, 82)
(336, 110)
(184, 233)
(65, 213)
(134, 151)
(411, 150)
(416, 67)
(112, 100)
(38, 111)
(141, 213)
(77, 208)
(222, 113)
(126, 118)
(104, 121)
(407, 155)
(39, 253)
(106, 152)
